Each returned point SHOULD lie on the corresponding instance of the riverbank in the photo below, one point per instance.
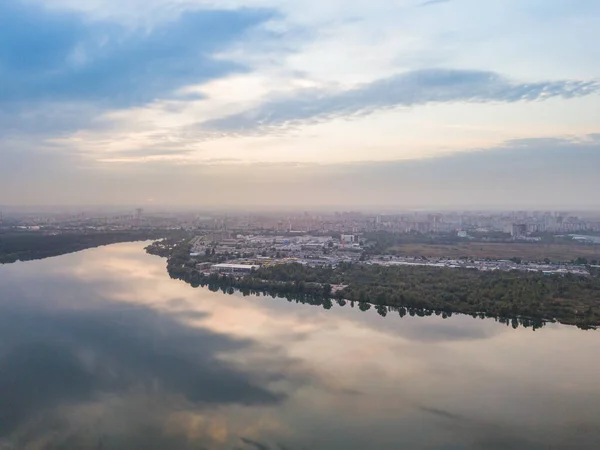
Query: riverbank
(28, 246)
(569, 299)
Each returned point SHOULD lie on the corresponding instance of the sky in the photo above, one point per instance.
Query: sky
(354, 103)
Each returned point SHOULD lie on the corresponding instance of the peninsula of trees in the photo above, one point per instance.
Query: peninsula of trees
(568, 299)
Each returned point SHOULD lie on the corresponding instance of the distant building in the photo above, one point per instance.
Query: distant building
(234, 268)
(313, 246)
(519, 230)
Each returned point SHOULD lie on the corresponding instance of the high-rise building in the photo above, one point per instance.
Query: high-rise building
(138, 216)
(519, 230)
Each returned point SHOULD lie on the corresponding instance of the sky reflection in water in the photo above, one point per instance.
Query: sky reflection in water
(102, 350)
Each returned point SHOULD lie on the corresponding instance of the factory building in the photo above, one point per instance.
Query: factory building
(239, 269)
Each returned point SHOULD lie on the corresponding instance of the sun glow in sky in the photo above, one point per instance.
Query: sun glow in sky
(265, 102)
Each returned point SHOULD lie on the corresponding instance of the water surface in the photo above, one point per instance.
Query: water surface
(102, 350)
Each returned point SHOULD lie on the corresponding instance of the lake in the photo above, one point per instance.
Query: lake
(102, 350)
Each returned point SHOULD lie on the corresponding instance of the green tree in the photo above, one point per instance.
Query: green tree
(364, 306)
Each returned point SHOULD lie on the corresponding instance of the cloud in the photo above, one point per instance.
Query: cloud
(404, 90)
(94, 85)
(62, 56)
(532, 173)
(433, 2)
(553, 172)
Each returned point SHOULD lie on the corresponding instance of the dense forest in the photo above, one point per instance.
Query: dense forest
(315, 296)
(26, 246)
(567, 299)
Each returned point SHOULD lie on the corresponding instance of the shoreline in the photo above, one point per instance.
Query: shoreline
(569, 300)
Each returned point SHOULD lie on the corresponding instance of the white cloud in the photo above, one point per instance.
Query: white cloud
(332, 48)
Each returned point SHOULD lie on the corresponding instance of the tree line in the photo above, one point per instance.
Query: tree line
(314, 297)
(568, 299)
(26, 246)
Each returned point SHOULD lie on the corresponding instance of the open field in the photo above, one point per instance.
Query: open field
(526, 251)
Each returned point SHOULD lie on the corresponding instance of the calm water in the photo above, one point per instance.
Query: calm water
(102, 350)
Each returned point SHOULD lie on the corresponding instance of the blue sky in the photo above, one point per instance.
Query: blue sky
(62, 56)
(296, 102)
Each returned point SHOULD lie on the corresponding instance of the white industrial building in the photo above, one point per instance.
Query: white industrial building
(234, 268)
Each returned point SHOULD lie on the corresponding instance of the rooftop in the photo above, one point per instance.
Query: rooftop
(235, 266)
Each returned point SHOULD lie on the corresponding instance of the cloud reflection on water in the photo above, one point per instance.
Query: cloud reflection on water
(124, 357)
(108, 358)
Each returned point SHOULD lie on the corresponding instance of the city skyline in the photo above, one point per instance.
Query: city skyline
(268, 104)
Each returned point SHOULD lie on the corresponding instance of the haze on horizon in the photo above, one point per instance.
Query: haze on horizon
(405, 103)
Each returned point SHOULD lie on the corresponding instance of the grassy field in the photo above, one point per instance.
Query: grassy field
(525, 251)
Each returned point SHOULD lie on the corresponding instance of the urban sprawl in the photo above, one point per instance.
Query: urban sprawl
(246, 241)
